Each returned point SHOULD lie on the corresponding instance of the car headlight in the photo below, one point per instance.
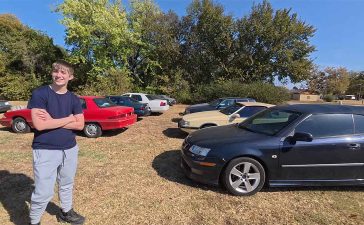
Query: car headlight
(197, 150)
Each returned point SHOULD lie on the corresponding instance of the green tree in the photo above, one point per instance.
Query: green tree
(338, 80)
(273, 44)
(26, 56)
(99, 37)
(206, 42)
(356, 85)
(317, 81)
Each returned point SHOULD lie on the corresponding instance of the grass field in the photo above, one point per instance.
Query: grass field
(134, 177)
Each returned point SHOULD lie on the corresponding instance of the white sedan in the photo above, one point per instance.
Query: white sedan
(156, 105)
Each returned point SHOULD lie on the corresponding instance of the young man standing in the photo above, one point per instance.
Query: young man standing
(56, 113)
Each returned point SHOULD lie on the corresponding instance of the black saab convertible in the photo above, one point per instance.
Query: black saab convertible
(304, 144)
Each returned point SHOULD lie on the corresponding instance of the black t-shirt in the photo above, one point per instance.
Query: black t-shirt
(58, 106)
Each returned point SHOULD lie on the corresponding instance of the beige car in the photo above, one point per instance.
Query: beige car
(232, 114)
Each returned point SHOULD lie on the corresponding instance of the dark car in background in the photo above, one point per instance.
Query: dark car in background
(291, 145)
(171, 101)
(4, 106)
(217, 104)
(141, 109)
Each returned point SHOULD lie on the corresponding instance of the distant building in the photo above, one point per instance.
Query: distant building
(304, 95)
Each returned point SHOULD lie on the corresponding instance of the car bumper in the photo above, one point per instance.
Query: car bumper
(118, 123)
(202, 174)
(187, 129)
(145, 112)
(6, 122)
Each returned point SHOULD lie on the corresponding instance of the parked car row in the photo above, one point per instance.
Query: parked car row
(101, 113)
(288, 145)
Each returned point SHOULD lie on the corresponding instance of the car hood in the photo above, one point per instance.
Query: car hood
(209, 116)
(223, 135)
(200, 107)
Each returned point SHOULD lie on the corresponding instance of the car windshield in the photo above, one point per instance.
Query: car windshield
(269, 122)
(104, 102)
(130, 99)
(231, 109)
(215, 102)
(151, 97)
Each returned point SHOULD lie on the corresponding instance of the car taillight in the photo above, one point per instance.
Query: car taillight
(163, 104)
(118, 116)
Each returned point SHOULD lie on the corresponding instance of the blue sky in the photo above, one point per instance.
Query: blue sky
(339, 38)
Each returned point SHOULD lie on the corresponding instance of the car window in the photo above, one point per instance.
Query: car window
(242, 100)
(113, 99)
(327, 125)
(104, 102)
(130, 100)
(359, 124)
(227, 102)
(231, 109)
(137, 97)
(83, 103)
(215, 102)
(269, 121)
(248, 111)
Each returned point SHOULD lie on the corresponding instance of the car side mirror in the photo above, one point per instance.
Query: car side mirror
(302, 137)
(235, 116)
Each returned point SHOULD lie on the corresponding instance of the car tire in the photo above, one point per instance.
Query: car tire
(243, 176)
(19, 125)
(92, 130)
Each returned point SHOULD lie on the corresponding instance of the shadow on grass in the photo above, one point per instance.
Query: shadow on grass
(155, 114)
(176, 120)
(15, 192)
(168, 166)
(6, 129)
(106, 133)
(175, 133)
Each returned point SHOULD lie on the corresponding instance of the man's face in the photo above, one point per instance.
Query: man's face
(61, 76)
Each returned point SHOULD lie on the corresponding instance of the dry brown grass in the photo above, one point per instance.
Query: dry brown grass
(134, 177)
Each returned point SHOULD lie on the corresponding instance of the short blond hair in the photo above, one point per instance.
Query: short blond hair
(62, 63)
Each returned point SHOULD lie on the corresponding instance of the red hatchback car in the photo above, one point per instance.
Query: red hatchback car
(100, 114)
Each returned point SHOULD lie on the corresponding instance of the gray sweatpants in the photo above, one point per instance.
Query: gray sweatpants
(49, 166)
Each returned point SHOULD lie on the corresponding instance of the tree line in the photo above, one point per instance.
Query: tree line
(116, 48)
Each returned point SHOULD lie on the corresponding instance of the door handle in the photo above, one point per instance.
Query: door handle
(354, 146)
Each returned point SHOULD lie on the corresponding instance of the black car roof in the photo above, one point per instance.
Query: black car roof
(322, 108)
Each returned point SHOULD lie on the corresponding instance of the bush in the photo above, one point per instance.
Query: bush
(17, 87)
(261, 92)
(329, 98)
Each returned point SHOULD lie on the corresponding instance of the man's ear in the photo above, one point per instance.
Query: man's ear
(71, 77)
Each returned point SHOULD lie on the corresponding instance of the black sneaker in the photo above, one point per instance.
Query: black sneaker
(71, 217)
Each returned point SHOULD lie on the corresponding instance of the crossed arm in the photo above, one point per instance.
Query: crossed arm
(43, 121)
